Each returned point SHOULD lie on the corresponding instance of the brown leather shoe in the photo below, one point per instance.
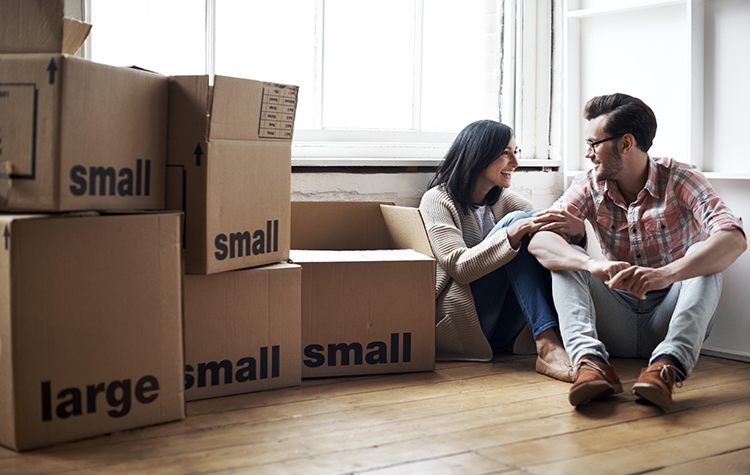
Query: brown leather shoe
(656, 383)
(593, 380)
(561, 370)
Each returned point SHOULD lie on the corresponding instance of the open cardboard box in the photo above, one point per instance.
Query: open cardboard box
(367, 307)
(229, 170)
(90, 325)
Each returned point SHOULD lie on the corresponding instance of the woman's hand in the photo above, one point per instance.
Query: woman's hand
(521, 228)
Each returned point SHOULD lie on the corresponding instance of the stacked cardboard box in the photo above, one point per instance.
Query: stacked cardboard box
(229, 171)
(242, 331)
(90, 302)
(111, 320)
(90, 325)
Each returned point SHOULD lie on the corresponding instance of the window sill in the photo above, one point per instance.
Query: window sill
(338, 162)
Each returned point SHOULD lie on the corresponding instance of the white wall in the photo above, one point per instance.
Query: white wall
(731, 331)
(726, 108)
(406, 189)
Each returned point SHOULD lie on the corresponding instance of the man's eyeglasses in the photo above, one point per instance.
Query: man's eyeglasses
(592, 145)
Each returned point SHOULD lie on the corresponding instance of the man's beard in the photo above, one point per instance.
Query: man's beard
(610, 167)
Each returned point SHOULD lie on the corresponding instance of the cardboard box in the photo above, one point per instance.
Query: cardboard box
(90, 326)
(366, 308)
(229, 170)
(39, 26)
(242, 331)
(77, 135)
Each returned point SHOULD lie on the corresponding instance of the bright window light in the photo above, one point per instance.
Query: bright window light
(414, 69)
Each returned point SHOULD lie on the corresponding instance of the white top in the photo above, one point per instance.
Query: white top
(485, 219)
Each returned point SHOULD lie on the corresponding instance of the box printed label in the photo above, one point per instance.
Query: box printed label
(278, 108)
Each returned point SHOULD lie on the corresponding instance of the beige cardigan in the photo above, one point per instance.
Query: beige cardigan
(463, 257)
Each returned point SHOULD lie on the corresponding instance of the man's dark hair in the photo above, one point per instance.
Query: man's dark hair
(474, 149)
(625, 115)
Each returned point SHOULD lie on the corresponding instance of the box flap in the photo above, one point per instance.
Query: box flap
(406, 228)
(39, 27)
(243, 109)
(338, 226)
(302, 256)
(75, 33)
(7, 219)
(188, 94)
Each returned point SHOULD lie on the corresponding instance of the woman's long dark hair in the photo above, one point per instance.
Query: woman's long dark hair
(475, 148)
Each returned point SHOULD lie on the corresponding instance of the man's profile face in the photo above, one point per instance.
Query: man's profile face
(605, 156)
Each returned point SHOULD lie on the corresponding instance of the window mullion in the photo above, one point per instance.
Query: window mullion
(507, 88)
(418, 48)
(210, 39)
(319, 64)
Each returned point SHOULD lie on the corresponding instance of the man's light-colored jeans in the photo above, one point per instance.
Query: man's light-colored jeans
(597, 320)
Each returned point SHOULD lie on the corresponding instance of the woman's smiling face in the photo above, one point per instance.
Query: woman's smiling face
(499, 172)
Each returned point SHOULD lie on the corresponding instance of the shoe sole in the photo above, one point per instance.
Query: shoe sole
(653, 394)
(593, 390)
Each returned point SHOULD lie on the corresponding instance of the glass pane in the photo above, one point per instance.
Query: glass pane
(461, 63)
(368, 69)
(166, 36)
(270, 41)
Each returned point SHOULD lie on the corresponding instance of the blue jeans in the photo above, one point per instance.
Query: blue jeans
(597, 320)
(515, 294)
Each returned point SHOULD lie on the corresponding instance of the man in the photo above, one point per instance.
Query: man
(666, 237)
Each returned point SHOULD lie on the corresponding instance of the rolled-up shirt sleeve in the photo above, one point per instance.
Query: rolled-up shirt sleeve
(706, 205)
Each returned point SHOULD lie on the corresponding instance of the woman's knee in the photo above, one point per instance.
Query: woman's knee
(511, 218)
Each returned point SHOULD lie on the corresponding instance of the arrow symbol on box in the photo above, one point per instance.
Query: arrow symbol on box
(198, 152)
(52, 67)
(6, 235)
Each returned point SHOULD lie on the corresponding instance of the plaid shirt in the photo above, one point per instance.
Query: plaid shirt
(677, 208)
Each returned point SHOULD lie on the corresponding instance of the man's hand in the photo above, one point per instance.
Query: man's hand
(562, 223)
(639, 280)
(606, 270)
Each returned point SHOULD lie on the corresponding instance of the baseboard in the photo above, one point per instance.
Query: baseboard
(724, 353)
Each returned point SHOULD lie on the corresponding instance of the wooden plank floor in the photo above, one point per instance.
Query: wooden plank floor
(464, 418)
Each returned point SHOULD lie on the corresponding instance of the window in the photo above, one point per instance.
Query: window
(385, 80)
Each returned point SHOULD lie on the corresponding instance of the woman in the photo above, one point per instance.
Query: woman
(488, 285)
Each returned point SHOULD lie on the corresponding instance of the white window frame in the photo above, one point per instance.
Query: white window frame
(524, 101)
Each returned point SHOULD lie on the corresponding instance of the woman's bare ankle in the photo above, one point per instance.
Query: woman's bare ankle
(549, 347)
